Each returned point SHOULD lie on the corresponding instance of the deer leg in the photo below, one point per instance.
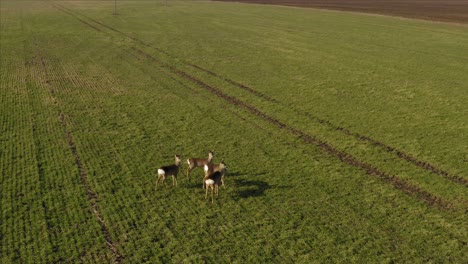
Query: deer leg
(189, 169)
(164, 180)
(174, 179)
(161, 179)
(212, 191)
(206, 193)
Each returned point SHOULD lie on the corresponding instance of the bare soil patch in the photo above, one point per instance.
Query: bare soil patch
(435, 10)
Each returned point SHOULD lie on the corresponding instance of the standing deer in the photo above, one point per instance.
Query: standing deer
(211, 168)
(169, 170)
(212, 182)
(196, 162)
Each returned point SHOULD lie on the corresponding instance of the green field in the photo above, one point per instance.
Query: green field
(345, 135)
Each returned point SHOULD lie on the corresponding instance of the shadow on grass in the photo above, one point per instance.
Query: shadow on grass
(194, 183)
(251, 188)
(239, 174)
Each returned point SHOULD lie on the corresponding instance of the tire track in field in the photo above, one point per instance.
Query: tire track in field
(394, 180)
(75, 16)
(239, 85)
(385, 147)
(399, 153)
(92, 195)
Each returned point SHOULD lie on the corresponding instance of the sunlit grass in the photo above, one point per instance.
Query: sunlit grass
(113, 84)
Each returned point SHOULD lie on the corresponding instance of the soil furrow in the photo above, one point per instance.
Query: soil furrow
(240, 85)
(73, 15)
(397, 182)
(92, 196)
(400, 154)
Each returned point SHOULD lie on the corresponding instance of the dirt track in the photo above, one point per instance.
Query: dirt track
(437, 10)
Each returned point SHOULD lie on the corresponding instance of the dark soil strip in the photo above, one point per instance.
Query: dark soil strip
(92, 196)
(68, 11)
(397, 182)
(421, 164)
(73, 15)
(240, 85)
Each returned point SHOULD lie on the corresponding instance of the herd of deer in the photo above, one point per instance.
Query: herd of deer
(214, 173)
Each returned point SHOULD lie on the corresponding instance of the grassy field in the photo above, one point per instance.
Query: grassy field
(345, 134)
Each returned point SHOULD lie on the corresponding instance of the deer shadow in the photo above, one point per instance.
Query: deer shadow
(252, 188)
(234, 174)
(194, 183)
(239, 174)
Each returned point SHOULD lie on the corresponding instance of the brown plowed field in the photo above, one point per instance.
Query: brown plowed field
(437, 10)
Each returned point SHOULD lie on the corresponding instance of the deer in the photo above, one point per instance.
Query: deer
(212, 182)
(211, 168)
(169, 170)
(197, 162)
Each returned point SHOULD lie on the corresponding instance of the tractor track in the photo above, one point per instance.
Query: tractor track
(397, 182)
(387, 148)
(239, 85)
(400, 154)
(91, 194)
(67, 11)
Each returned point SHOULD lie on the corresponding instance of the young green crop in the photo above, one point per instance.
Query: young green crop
(343, 134)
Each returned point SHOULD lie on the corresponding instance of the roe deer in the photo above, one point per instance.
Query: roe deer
(169, 170)
(212, 181)
(196, 162)
(210, 168)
